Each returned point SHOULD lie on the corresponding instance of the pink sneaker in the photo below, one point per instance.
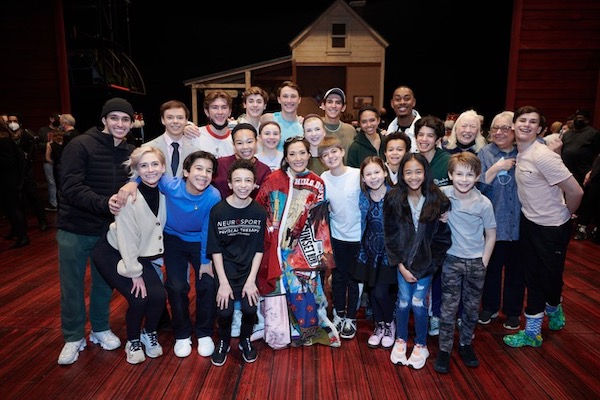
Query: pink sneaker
(389, 335)
(375, 339)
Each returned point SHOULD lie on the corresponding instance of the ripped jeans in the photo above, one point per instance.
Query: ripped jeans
(413, 296)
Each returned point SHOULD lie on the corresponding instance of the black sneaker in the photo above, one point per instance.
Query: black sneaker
(594, 235)
(348, 329)
(442, 364)
(219, 356)
(485, 317)
(512, 322)
(581, 233)
(43, 225)
(248, 351)
(468, 356)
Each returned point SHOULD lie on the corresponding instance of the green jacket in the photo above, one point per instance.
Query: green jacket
(361, 148)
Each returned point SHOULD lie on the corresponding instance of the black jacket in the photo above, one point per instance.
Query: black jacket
(91, 171)
(421, 253)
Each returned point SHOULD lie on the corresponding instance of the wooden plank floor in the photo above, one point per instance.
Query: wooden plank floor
(567, 366)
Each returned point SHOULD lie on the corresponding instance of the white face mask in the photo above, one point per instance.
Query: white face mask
(13, 126)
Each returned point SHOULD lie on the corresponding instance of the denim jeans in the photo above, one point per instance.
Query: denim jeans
(412, 296)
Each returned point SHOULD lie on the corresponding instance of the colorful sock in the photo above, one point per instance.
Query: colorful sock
(533, 325)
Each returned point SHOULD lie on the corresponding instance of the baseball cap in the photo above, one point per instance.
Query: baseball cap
(337, 91)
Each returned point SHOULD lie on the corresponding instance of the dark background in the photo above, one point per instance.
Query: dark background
(453, 55)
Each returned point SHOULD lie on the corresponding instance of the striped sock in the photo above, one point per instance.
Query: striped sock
(550, 309)
(533, 325)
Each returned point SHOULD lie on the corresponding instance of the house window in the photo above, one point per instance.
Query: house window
(338, 36)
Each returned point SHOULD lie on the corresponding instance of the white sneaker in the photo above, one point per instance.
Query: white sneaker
(258, 330)
(150, 341)
(338, 321)
(107, 339)
(348, 329)
(206, 346)
(134, 351)
(258, 333)
(418, 357)
(183, 347)
(236, 323)
(389, 335)
(434, 326)
(70, 352)
(398, 355)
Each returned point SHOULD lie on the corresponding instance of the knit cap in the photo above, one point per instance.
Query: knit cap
(117, 104)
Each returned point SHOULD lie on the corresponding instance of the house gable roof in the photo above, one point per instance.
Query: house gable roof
(236, 77)
(339, 3)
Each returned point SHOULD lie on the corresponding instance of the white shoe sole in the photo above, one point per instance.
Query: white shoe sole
(71, 360)
(94, 339)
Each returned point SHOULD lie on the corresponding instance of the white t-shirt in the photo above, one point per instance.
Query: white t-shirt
(343, 193)
(272, 162)
(219, 146)
(410, 131)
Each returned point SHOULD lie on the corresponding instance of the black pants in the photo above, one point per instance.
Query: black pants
(225, 317)
(344, 287)
(178, 255)
(544, 250)
(589, 211)
(29, 194)
(505, 257)
(148, 308)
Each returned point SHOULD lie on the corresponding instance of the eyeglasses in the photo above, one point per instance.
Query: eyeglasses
(504, 129)
(293, 139)
(504, 179)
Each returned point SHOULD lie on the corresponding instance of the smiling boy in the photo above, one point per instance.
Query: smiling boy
(473, 230)
(236, 243)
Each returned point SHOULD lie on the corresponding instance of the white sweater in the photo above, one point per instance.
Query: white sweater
(137, 232)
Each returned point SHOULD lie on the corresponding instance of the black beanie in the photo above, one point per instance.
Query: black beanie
(117, 104)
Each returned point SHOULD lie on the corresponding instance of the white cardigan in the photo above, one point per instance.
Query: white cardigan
(137, 232)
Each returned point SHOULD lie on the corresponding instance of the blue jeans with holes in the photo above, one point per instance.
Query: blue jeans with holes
(413, 296)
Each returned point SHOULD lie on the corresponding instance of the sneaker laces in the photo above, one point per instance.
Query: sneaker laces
(247, 346)
(153, 338)
(387, 330)
(135, 345)
(349, 324)
(378, 329)
(221, 346)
